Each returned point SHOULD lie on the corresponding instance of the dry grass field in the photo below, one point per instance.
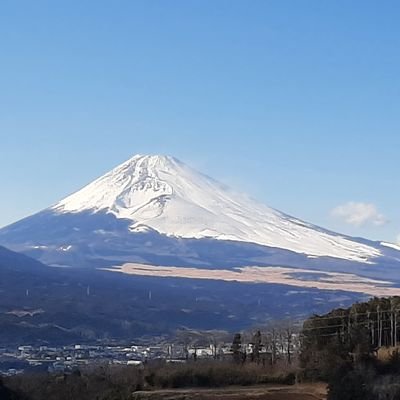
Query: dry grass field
(296, 392)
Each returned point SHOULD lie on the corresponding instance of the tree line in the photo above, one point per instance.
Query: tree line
(346, 346)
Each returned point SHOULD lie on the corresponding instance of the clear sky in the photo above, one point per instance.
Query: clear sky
(295, 102)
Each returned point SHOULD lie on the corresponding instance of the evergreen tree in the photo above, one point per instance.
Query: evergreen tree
(237, 348)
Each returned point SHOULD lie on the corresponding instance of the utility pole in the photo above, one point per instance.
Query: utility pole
(391, 323)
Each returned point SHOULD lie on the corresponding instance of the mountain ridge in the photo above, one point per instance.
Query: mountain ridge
(164, 194)
(119, 218)
(96, 235)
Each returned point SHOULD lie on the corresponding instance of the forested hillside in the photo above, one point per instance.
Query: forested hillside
(355, 350)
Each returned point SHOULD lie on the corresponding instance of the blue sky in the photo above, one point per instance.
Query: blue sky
(294, 102)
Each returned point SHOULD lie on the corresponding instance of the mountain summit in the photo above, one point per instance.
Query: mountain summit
(157, 211)
(154, 224)
(164, 194)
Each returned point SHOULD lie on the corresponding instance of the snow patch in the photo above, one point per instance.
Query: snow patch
(65, 248)
(391, 245)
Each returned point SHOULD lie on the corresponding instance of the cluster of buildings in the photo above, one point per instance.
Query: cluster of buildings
(64, 359)
(70, 358)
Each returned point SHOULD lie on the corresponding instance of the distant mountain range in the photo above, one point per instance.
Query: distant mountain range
(157, 219)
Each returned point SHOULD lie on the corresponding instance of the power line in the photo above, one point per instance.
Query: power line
(349, 315)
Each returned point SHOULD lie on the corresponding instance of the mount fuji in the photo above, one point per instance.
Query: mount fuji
(163, 194)
(157, 211)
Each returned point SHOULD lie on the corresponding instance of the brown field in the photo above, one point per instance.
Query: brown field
(296, 392)
(276, 275)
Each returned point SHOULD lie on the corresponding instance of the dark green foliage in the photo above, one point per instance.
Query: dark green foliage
(100, 384)
(257, 344)
(348, 334)
(347, 384)
(237, 348)
(369, 380)
(8, 394)
(340, 348)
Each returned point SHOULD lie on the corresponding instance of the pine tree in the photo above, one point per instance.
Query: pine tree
(237, 348)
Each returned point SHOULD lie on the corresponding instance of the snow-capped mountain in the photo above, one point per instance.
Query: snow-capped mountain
(157, 210)
(162, 193)
(153, 224)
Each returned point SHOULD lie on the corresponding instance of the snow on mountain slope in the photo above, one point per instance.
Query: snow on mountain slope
(162, 193)
(391, 245)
